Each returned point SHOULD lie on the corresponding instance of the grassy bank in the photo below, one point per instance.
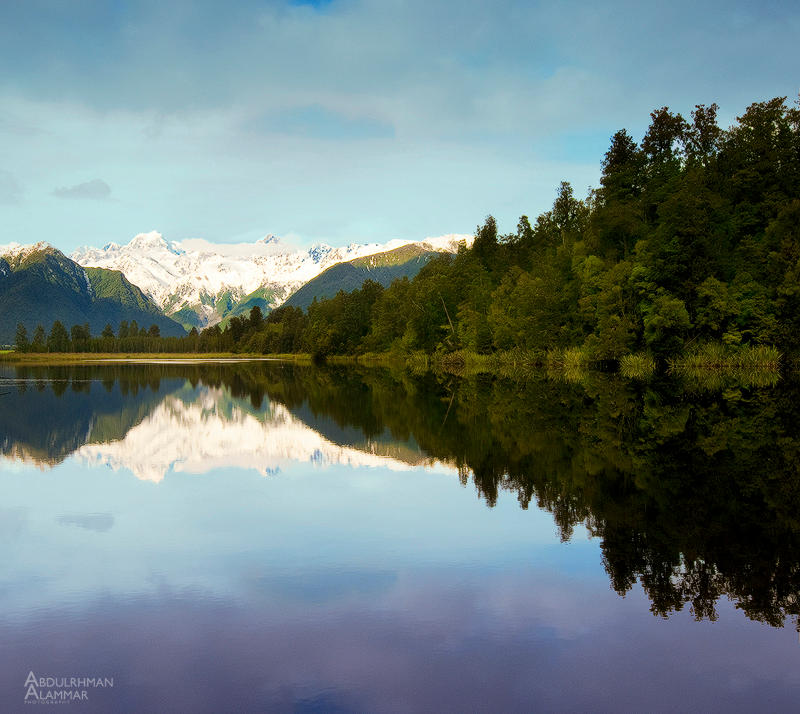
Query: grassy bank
(46, 358)
(714, 361)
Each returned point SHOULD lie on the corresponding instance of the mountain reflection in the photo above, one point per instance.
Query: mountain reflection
(694, 496)
(198, 429)
(151, 426)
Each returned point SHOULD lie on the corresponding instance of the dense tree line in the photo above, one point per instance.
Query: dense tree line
(692, 237)
(129, 337)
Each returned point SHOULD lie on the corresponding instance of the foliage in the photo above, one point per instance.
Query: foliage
(691, 238)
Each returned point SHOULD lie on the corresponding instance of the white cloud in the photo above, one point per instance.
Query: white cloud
(95, 190)
(368, 121)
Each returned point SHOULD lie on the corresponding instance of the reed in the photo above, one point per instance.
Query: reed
(571, 364)
(716, 365)
(641, 366)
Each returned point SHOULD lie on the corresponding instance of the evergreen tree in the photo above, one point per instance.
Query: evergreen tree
(58, 339)
(21, 339)
(39, 343)
(256, 318)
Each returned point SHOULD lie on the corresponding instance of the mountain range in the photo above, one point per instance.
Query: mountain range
(39, 284)
(199, 283)
(190, 283)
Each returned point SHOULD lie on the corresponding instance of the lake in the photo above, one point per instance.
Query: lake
(269, 537)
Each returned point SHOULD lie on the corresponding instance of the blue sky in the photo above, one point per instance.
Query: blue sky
(346, 120)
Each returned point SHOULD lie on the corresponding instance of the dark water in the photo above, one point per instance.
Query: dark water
(261, 537)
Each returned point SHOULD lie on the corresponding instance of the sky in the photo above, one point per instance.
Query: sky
(345, 121)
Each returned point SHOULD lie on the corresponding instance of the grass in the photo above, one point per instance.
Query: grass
(710, 366)
(45, 358)
(716, 356)
(716, 365)
(640, 366)
(570, 365)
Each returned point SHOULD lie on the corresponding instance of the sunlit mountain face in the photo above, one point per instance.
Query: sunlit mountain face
(199, 280)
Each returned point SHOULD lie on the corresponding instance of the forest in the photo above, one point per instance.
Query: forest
(690, 242)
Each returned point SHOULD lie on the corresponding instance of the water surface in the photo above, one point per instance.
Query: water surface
(268, 537)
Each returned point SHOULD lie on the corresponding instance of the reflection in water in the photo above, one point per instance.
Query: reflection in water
(196, 430)
(99, 522)
(693, 495)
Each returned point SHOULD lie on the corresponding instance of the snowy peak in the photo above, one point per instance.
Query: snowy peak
(149, 241)
(190, 275)
(17, 252)
(147, 245)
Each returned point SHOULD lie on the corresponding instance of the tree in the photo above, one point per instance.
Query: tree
(701, 138)
(58, 339)
(565, 211)
(666, 321)
(80, 336)
(108, 332)
(664, 134)
(39, 340)
(154, 331)
(524, 231)
(21, 339)
(485, 244)
(621, 166)
(256, 318)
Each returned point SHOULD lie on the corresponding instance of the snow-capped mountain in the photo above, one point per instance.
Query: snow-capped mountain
(194, 275)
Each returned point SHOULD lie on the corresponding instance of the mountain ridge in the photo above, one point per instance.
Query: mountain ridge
(188, 278)
(384, 268)
(39, 285)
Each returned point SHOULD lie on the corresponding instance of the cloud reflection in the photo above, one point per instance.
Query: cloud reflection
(98, 522)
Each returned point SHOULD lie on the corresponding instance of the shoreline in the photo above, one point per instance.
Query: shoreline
(65, 358)
(754, 364)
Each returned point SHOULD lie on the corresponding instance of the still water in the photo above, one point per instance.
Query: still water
(264, 537)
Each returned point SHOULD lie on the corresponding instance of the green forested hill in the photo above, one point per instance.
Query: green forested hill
(261, 298)
(42, 285)
(382, 268)
(113, 285)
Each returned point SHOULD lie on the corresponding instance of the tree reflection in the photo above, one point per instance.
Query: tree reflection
(694, 494)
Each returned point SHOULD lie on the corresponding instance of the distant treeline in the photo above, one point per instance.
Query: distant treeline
(693, 237)
(128, 338)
